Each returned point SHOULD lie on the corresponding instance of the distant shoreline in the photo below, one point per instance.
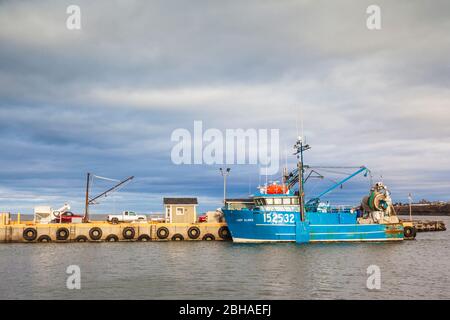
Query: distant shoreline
(424, 209)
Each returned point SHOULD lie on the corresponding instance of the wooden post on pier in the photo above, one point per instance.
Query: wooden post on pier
(410, 204)
(86, 208)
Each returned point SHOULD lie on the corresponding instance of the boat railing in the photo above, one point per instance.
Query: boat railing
(281, 207)
(337, 209)
(294, 208)
(341, 208)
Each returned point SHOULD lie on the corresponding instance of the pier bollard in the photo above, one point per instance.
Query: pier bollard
(5, 218)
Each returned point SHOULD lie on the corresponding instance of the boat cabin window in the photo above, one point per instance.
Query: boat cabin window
(286, 200)
(294, 200)
(269, 201)
(277, 200)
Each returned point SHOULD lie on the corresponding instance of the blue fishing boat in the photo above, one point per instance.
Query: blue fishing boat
(277, 213)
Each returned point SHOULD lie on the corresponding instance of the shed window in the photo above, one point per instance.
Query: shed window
(180, 211)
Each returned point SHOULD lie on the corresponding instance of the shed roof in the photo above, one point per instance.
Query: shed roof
(180, 201)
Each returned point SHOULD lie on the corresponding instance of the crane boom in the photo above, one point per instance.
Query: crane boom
(103, 194)
(337, 184)
(110, 190)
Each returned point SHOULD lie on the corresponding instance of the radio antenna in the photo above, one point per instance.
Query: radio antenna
(301, 120)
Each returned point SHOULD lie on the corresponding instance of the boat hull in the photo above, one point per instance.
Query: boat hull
(247, 226)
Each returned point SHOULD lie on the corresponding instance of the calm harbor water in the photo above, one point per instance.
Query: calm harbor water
(417, 269)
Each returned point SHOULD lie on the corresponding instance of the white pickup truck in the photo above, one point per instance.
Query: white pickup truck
(126, 216)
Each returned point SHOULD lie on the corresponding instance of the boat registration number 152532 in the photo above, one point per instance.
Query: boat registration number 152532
(273, 217)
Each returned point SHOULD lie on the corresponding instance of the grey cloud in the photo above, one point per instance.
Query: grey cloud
(106, 99)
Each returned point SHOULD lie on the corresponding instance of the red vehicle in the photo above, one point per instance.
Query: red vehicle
(203, 218)
(67, 217)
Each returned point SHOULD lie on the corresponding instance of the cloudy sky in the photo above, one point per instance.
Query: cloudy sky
(106, 98)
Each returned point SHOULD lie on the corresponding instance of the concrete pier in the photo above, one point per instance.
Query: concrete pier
(428, 225)
(425, 225)
(98, 231)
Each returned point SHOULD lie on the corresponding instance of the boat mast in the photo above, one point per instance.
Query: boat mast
(300, 191)
(300, 147)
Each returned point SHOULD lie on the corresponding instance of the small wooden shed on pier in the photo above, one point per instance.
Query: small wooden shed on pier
(180, 210)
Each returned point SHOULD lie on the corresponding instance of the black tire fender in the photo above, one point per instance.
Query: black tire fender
(193, 232)
(95, 233)
(208, 237)
(29, 234)
(128, 233)
(81, 239)
(177, 237)
(111, 238)
(62, 234)
(224, 233)
(144, 238)
(162, 233)
(409, 232)
(44, 238)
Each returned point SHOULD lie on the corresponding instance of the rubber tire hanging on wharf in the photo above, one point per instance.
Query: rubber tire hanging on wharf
(128, 233)
(62, 234)
(29, 234)
(193, 233)
(95, 233)
(162, 233)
